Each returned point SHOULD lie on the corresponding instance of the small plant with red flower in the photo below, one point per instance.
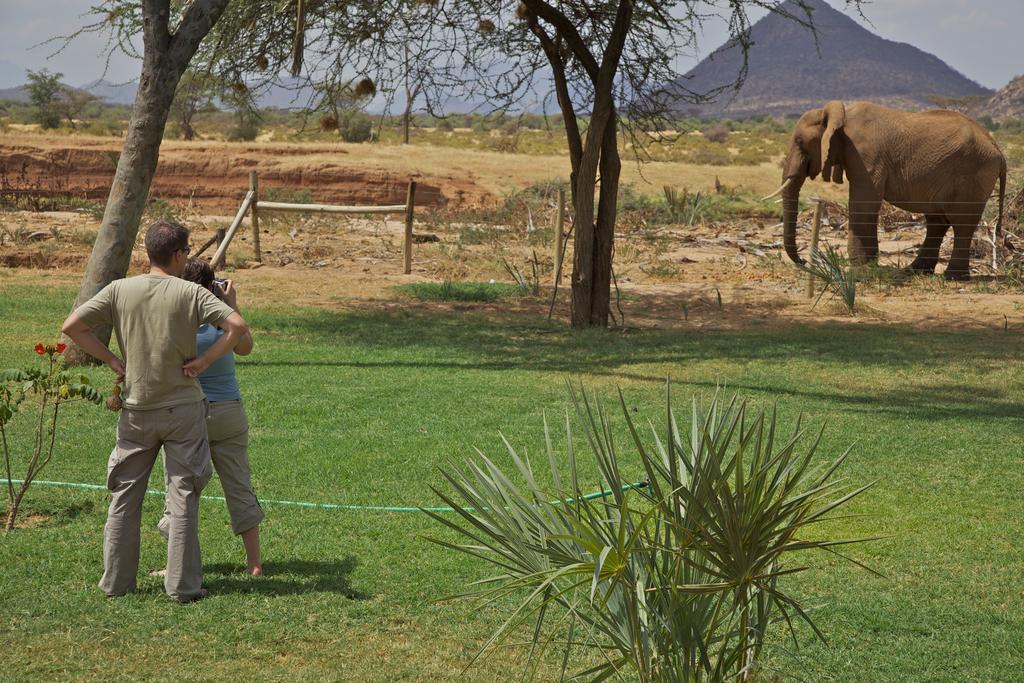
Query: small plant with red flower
(40, 391)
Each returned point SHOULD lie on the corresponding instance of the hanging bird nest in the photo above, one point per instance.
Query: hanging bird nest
(487, 26)
(365, 88)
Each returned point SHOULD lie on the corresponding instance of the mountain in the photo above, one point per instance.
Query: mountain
(789, 74)
(16, 94)
(113, 93)
(1008, 103)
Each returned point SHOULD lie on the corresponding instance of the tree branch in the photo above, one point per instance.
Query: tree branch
(554, 56)
(567, 30)
(196, 22)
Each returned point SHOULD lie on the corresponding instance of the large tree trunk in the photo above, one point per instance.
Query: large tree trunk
(604, 229)
(591, 275)
(112, 253)
(165, 58)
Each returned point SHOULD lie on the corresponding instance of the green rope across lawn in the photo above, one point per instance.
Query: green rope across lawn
(298, 504)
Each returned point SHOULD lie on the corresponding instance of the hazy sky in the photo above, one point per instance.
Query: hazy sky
(979, 38)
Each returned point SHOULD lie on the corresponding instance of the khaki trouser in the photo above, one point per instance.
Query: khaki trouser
(181, 430)
(228, 430)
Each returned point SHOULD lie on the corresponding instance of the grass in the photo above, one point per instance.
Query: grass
(362, 407)
(448, 290)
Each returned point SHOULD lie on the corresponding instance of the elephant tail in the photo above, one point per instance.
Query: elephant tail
(1002, 197)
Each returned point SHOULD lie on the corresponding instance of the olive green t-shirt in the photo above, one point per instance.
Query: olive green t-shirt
(155, 318)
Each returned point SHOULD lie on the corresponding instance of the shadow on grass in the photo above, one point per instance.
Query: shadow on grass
(447, 341)
(289, 577)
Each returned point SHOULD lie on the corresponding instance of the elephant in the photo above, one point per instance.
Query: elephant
(937, 163)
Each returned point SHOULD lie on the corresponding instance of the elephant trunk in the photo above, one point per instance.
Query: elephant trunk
(790, 201)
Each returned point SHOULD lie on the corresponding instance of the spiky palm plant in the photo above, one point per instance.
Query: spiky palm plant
(831, 269)
(676, 580)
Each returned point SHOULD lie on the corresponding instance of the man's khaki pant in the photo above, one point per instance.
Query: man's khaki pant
(228, 430)
(181, 430)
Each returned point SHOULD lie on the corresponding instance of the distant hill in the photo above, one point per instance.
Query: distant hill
(113, 93)
(1008, 103)
(787, 75)
(17, 94)
(20, 93)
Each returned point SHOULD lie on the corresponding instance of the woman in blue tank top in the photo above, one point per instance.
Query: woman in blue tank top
(226, 425)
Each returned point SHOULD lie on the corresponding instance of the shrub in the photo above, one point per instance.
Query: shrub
(355, 126)
(246, 131)
(717, 133)
(50, 386)
(449, 290)
(710, 155)
(835, 275)
(679, 578)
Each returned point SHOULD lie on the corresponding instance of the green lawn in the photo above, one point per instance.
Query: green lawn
(362, 407)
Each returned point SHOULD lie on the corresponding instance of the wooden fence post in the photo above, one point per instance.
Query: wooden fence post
(409, 204)
(219, 236)
(559, 244)
(815, 229)
(254, 187)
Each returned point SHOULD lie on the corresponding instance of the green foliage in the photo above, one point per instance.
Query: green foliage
(680, 206)
(710, 154)
(50, 386)
(44, 89)
(678, 580)
(355, 126)
(449, 290)
(527, 283)
(835, 275)
(246, 130)
(286, 194)
(160, 210)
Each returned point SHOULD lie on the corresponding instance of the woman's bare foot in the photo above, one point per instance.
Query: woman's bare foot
(251, 540)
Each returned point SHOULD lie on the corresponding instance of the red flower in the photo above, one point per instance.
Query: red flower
(40, 349)
(61, 347)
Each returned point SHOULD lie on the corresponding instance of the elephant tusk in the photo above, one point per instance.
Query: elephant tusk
(778, 191)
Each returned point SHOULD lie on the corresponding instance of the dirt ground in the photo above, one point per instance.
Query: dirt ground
(710, 276)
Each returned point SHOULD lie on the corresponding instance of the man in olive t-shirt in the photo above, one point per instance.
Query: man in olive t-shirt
(155, 317)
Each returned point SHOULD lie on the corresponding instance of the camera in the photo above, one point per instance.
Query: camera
(218, 285)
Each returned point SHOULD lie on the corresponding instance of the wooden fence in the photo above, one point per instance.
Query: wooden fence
(252, 205)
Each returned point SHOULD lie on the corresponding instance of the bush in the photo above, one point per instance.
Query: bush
(485, 292)
(718, 133)
(710, 155)
(355, 126)
(679, 578)
(245, 131)
(38, 392)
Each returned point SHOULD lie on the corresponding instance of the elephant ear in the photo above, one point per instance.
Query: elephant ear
(833, 118)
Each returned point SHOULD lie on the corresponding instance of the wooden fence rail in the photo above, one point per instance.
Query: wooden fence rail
(252, 204)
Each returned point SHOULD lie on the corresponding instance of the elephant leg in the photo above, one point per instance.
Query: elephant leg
(959, 267)
(928, 253)
(862, 241)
